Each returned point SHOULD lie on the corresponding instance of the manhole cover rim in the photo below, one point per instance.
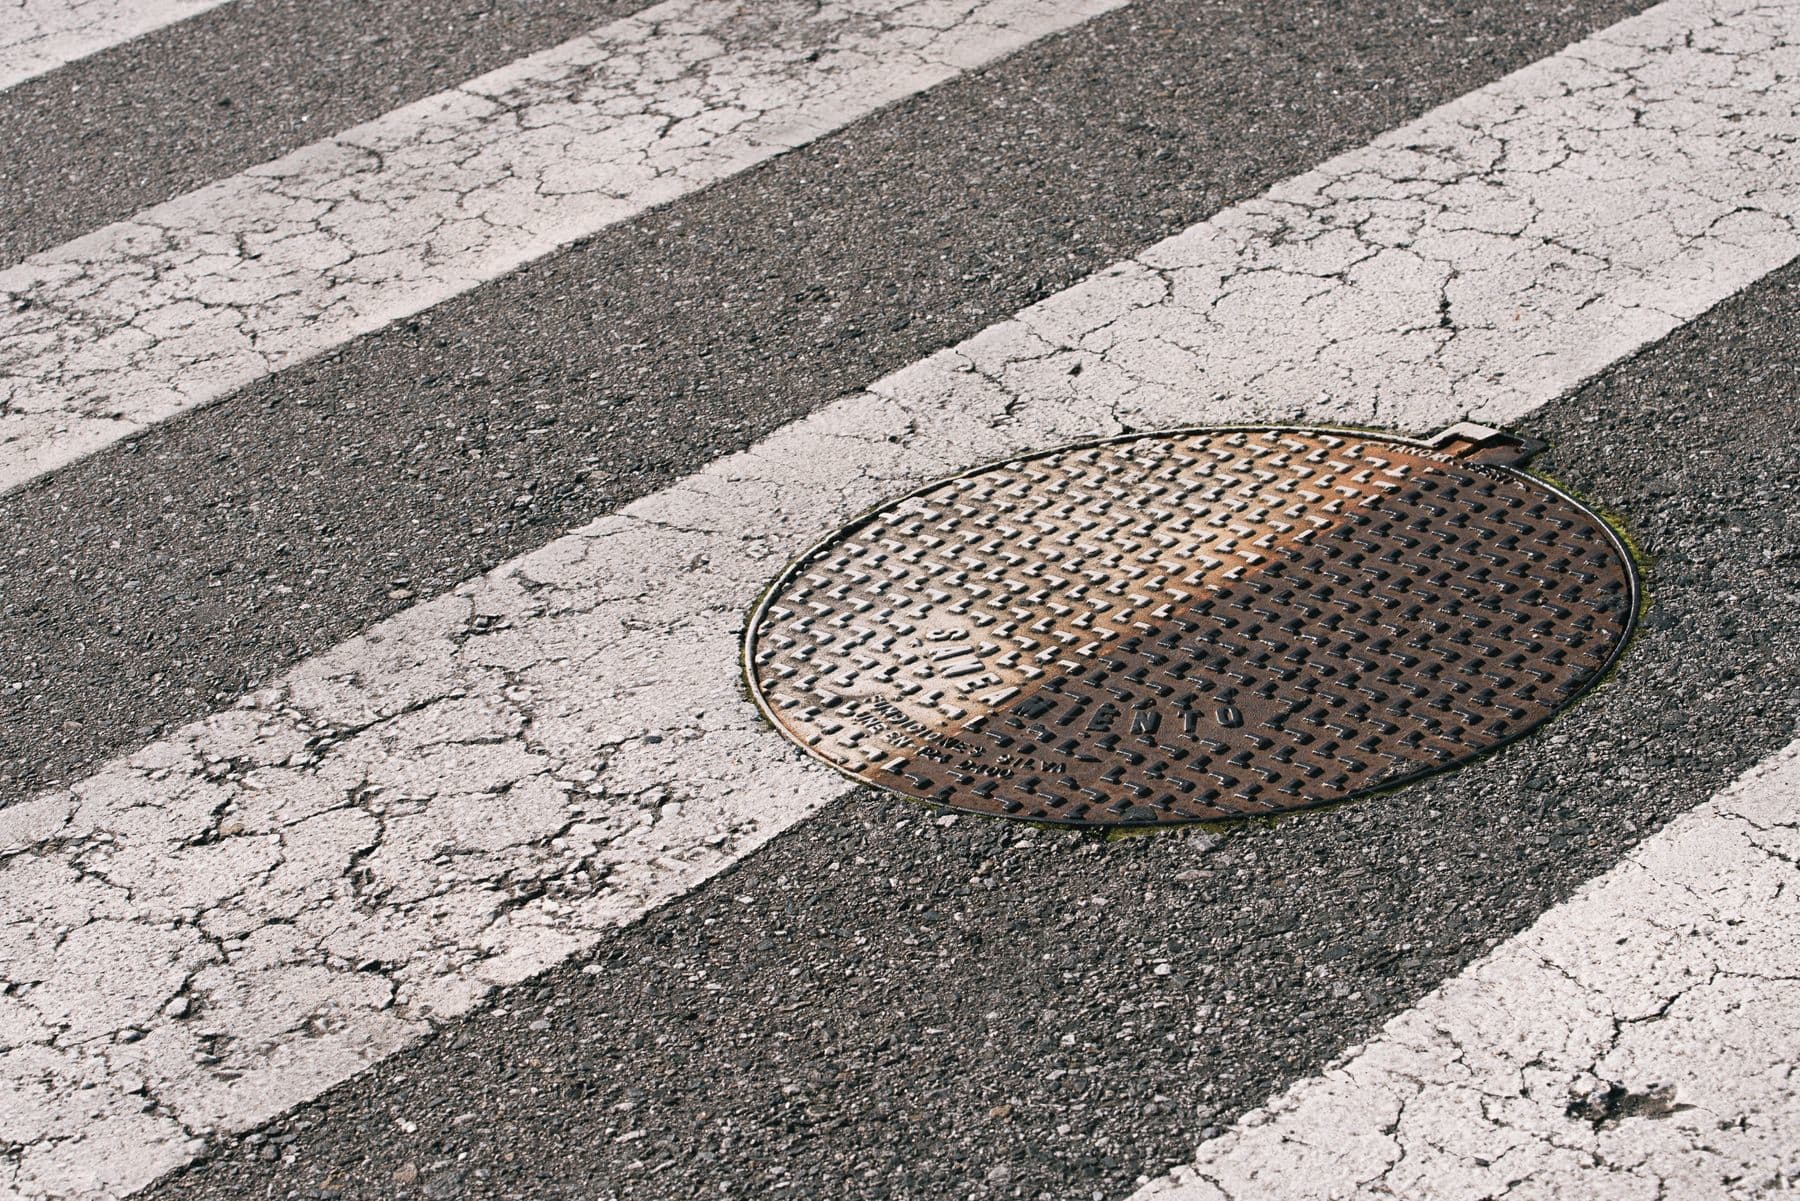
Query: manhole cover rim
(1427, 445)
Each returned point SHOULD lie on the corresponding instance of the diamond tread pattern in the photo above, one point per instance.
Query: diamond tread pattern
(1191, 627)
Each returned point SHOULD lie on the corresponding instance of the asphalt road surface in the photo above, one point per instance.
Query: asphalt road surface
(402, 408)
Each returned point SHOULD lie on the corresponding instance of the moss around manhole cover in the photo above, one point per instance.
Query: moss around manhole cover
(1194, 626)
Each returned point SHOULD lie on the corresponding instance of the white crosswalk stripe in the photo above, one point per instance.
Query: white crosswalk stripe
(331, 864)
(191, 299)
(1662, 993)
(37, 36)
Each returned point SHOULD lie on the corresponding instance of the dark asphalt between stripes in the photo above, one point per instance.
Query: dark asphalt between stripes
(163, 114)
(154, 582)
(883, 1005)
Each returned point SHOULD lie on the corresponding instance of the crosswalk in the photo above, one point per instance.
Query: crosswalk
(398, 834)
(192, 299)
(1658, 993)
(41, 35)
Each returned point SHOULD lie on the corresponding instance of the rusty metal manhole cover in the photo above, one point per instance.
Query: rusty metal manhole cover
(1194, 626)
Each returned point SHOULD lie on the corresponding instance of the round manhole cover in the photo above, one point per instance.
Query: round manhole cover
(1192, 626)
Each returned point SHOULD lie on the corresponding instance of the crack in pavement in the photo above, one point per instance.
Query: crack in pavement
(41, 35)
(488, 782)
(189, 300)
(1655, 1055)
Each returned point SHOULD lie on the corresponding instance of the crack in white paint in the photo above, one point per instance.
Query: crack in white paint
(38, 36)
(1639, 1042)
(192, 299)
(225, 923)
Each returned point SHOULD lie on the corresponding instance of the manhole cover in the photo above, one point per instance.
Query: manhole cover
(1193, 626)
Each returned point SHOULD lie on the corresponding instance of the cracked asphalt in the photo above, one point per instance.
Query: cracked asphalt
(605, 371)
(381, 807)
(886, 1003)
(1654, 1059)
(142, 122)
(187, 301)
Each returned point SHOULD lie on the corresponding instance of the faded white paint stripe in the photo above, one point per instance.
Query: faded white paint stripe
(37, 36)
(227, 922)
(1640, 1041)
(189, 300)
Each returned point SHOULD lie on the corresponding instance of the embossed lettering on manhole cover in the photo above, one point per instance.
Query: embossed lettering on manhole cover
(1194, 626)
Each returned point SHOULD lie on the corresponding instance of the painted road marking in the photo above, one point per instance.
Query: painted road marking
(191, 299)
(230, 921)
(37, 36)
(1637, 1041)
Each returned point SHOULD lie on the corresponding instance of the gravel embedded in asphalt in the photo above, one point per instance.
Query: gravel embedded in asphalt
(889, 1003)
(156, 581)
(151, 118)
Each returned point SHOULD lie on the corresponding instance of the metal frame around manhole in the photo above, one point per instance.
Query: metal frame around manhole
(1477, 457)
